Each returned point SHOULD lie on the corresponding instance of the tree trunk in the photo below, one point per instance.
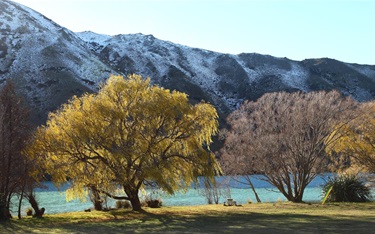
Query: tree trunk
(98, 205)
(20, 203)
(133, 198)
(4, 211)
(96, 199)
(253, 188)
(136, 203)
(34, 204)
(298, 197)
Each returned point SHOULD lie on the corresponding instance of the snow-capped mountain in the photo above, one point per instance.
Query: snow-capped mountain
(47, 62)
(50, 63)
(224, 79)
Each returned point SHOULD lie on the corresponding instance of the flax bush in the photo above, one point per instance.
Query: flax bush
(347, 188)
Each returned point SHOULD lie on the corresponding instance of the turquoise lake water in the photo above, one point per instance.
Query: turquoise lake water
(54, 201)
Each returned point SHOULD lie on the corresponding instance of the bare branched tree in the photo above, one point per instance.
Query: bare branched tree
(283, 136)
(14, 133)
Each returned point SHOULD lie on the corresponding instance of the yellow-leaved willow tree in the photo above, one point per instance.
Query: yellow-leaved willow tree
(127, 135)
(358, 138)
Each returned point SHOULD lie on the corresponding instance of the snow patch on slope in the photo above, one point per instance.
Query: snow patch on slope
(46, 23)
(296, 77)
(36, 48)
(202, 62)
(89, 36)
(252, 74)
(21, 18)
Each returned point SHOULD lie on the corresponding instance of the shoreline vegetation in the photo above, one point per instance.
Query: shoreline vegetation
(280, 217)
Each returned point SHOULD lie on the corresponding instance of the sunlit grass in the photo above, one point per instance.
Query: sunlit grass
(280, 217)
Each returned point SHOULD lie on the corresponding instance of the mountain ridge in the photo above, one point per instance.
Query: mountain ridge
(234, 77)
(50, 64)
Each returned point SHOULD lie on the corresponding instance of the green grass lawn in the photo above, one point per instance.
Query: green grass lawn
(252, 218)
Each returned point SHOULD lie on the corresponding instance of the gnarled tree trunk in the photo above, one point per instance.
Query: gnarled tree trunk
(133, 198)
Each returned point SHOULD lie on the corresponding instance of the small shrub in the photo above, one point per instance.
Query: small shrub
(152, 199)
(153, 203)
(346, 188)
(29, 212)
(118, 204)
(127, 205)
(123, 204)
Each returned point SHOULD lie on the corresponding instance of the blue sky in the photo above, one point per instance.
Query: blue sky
(339, 29)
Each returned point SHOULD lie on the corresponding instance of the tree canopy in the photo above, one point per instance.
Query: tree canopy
(358, 141)
(283, 136)
(128, 134)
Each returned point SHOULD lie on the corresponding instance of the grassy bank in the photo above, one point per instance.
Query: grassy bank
(254, 218)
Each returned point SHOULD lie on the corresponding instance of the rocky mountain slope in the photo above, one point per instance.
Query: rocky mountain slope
(49, 64)
(224, 79)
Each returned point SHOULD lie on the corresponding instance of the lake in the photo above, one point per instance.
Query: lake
(54, 201)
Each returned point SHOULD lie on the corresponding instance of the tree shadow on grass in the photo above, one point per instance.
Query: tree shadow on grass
(255, 223)
(249, 222)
